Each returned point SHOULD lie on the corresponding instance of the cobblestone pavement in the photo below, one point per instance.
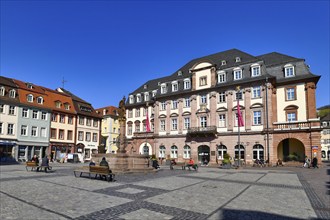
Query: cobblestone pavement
(210, 193)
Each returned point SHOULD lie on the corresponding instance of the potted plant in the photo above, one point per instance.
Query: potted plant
(226, 164)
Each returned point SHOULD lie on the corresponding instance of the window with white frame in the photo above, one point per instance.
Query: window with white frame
(61, 134)
(130, 113)
(131, 99)
(62, 118)
(175, 86)
(291, 116)
(186, 84)
(222, 150)
(88, 136)
(2, 91)
(223, 62)
(163, 105)
(23, 130)
(258, 152)
(54, 117)
(255, 70)
(144, 111)
(137, 112)
(10, 129)
(203, 121)
(163, 88)
(25, 113)
(67, 106)
(80, 135)
(12, 93)
(187, 102)
(81, 120)
(174, 152)
(137, 127)
(203, 81)
(256, 92)
(34, 131)
(11, 110)
(43, 132)
(58, 104)
(138, 98)
(290, 94)
(186, 152)
(146, 96)
(40, 100)
(174, 124)
(221, 76)
(203, 99)
(237, 74)
(154, 93)
(256, 117)
(94, 137)
(70, 119)
(289, 70)
(162, 125)
(162, 150)
(30, 98)
(130, 129)
(2, 108)
(237, 59)
(174, 104)
(186, 122)
(43, 115)
(222, 97)
(35, 114)
(89, 122)
(222, 120)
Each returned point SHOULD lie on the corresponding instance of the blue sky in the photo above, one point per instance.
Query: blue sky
(107, 49)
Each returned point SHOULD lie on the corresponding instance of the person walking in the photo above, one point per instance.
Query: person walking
(314, 163)
(307, 162)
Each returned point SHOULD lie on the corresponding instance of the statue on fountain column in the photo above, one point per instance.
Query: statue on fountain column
(122, 122)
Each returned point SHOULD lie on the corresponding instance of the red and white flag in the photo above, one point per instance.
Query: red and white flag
(147, 122)
(239, 115)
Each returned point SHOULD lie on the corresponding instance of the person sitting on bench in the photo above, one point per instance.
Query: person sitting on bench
(192, 164)
(44, 163)
(105, 163)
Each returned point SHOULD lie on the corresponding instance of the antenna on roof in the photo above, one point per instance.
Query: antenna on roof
(63, 81)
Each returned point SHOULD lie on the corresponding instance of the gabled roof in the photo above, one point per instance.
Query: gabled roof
(109, 110)
(7, 82)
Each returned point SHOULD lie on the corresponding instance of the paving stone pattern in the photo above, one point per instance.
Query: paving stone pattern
(210, 193)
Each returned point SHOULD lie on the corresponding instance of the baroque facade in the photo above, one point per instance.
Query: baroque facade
(193, 112)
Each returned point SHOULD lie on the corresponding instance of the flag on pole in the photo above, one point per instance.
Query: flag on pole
(239, 115)
(147, 122)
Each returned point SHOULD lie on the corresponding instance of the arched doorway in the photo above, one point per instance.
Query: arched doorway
(203, 153)
(291, 149)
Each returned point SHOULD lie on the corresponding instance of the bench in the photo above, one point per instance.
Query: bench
(178, 164)
(33, 165)
(96, 170)
(195, 166)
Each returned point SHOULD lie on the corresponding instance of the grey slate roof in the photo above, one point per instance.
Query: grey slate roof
(275, 58)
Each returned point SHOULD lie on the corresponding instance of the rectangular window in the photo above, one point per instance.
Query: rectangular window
(70, 120)
(187, 102)
(88, 122)
(144, 111)
(34, 131)
(174, 124)
(203, 121)
(1, 125)
(203, 99)
(62, 118)
(61, 134)
(43, 115)
(35, 114)
(256, 92)
(138, 98)
(130, 113)
(146, 97)
(94, 137)
(237, 74)
(23, 130)
(70, 136)
(257, 118)
(222, 120)
(10, 129)
(88, 136)
(239, 95)
(203, 81)
(25, 113)
(222, 97)
(186, 123)
(129, 130)
(137, 113)
(163, 89)
(2, 108)
(289, 71)
(53, 133)
(11, 110)
(256, 71)
(174, 104)
(163, 106)
(186, 84)
(80, 135)
(43, 132)
(221, 77)
(137, 127)
(291, 116)
(290, 94)
(175, 87)
(54, 117)
(162, 125)
(81, 120)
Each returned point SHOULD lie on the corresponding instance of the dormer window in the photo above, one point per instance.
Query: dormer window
(12, 93)
(2, 91)
(223, 62)
(221, 76)
(289, 70)
(179, 73)
(29, 86)
(138, 98)
(67, 106)
(58, 104)
(154, 93)
(30, 98)
(203, 81)
(238, 74)
(145, 86)
(186, 84)
(255, 70)
(146, 96)
(131, 99)
(163, 88)
(175, 86)
(40, 100)
(237, 59)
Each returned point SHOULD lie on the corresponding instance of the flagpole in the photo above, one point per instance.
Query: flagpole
(239, 133)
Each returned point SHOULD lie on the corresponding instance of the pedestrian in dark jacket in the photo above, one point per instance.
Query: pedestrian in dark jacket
(314, 163)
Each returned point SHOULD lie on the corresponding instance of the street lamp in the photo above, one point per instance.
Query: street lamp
(267, 122)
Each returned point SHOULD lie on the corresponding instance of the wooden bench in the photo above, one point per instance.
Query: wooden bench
(178, 164)
(96, 170)
(33, 165)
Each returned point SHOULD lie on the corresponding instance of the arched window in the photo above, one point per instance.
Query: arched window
(12, 93)
(239, 152)
(40, 100)
(30, 98)
(174, 152)
(2, 91)
(258, 152)
(162, 151)
(222, 149)
(186, 152)
(145, 150)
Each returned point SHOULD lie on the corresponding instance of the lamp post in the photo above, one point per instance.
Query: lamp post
(267, 122)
